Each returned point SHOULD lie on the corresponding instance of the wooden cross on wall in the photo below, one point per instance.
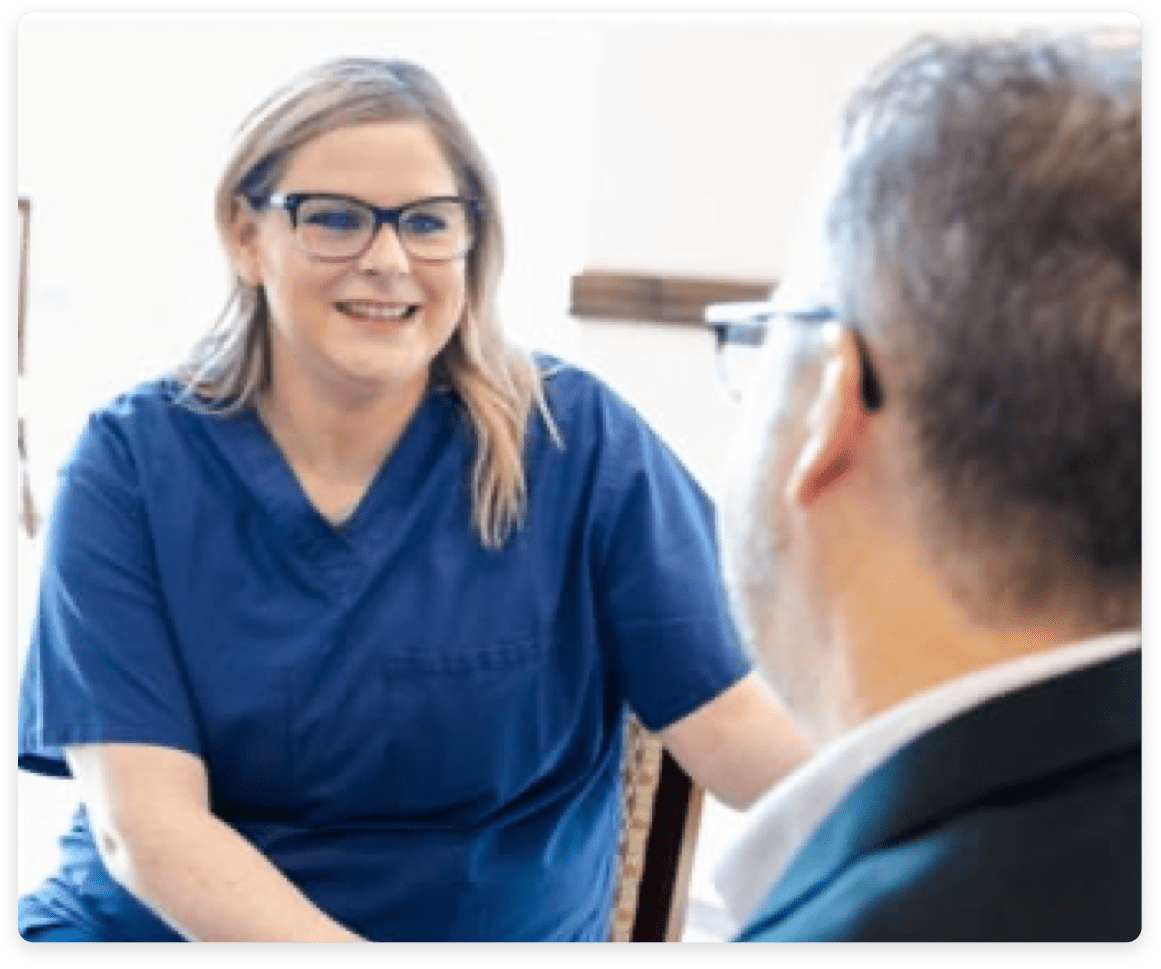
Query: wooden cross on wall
(26, 512)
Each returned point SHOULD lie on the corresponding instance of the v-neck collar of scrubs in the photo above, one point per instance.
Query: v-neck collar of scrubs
(267, 473)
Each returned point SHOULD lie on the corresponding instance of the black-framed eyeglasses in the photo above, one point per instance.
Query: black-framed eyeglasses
(338, 227)
(747, 324)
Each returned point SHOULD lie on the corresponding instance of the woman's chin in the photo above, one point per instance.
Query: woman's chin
(398, 374)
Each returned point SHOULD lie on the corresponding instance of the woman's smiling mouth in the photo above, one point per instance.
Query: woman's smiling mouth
(372, 312)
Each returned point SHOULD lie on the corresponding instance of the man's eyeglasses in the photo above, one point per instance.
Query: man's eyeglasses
(746, 325)
(339, 227)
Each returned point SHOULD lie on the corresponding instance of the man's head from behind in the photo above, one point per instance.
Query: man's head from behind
(982, 247)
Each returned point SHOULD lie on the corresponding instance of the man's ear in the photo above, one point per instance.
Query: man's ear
(241, 238)
(837, 419)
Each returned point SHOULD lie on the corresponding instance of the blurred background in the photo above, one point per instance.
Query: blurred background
(654, 146)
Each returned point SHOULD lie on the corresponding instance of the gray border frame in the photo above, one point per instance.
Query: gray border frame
(21, 953)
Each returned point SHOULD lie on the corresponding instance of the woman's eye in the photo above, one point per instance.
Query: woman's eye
(424, 223)
(334, 219)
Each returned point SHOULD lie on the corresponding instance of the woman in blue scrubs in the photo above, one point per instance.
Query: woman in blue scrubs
(338, 625)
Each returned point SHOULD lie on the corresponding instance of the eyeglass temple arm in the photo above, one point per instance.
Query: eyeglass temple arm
(745, 324)
(741, 324)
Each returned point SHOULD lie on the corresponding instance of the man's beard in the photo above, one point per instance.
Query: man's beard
(780, 626)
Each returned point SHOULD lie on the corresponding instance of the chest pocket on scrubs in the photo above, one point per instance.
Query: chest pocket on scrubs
(434, 735)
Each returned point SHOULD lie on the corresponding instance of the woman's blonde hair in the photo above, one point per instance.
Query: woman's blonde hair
(497, 382)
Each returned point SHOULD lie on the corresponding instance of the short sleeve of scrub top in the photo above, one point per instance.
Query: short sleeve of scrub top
(103, 650)
(423, 734)
(655, 573)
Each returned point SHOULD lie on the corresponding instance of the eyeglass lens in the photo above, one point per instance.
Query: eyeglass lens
(340, 228)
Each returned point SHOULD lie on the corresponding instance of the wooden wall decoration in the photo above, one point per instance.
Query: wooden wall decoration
(635, 297)
(26, 513)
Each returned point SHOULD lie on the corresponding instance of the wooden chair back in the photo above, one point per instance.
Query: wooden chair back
(662, 814)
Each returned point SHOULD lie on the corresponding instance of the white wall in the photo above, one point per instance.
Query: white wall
(710, 129)
(659, 144)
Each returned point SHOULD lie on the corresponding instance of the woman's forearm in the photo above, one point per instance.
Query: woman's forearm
(211, 885)
(739, 744)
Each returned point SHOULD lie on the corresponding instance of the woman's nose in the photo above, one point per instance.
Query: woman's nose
(386, 253)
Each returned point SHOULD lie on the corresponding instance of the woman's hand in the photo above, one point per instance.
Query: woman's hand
(739, 744)
(149, 811)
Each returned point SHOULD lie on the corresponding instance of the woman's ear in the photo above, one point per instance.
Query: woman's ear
(836, 420)
(241, 238)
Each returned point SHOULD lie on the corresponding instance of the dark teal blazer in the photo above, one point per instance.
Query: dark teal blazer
(1017, 820)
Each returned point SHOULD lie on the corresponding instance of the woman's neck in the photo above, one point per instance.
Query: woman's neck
(336, 438)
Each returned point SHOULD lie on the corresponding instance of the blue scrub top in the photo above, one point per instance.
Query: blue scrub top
(423, 734)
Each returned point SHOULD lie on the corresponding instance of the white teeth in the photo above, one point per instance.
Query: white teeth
(377, 312)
